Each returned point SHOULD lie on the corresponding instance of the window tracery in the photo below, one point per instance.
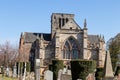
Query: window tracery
(70, 50)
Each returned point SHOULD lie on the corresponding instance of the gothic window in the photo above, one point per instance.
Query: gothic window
(70, 50)
(95, 53)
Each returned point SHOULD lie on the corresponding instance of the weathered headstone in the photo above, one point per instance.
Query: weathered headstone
(0, 70)
(37, 69)
(32, 76)
(79, 79)
(15, 71)
(59, 74)
(7, 71)
(64, 70)
(66, 74)
(90, 77)
(10, 73)
(48, 75)
(66, 77)
(69, 72)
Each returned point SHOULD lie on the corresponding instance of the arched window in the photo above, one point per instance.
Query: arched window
(71, 50)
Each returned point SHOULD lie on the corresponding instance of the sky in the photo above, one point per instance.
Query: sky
(17, 16)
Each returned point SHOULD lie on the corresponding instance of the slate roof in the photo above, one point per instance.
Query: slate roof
(93, 38)
(31, 37)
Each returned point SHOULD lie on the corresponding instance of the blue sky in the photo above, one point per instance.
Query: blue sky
(17, 16)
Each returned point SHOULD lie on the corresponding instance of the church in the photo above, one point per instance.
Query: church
(66, 41)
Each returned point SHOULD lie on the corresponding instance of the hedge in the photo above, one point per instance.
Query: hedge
(117, 70)
(81, 68)
(55, 67)
(50, 67)
(99, 73)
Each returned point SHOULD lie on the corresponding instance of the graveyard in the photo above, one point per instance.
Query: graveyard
(69, 52)
(7, 78)
(59, 40)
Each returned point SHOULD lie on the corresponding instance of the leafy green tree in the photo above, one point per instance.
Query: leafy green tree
(99, 73)
(81, 68)
(114, 48)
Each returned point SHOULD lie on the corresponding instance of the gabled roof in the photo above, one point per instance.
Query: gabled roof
(31, 37)
(71, 24)
(93, 38)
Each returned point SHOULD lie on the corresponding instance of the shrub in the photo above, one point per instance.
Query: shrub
(28, 67)
(99, 73)
(81, 68)
(55, 67)
(50, 67)
(117, 70)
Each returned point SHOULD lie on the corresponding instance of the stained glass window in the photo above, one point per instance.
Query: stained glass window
(70, 50)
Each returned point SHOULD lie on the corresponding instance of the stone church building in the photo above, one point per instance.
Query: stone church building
(66, 41)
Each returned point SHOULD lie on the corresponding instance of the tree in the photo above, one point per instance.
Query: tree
(9, 53)
(114, 48)
(81, 68)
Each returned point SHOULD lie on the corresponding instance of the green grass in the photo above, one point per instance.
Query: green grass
(7, 78)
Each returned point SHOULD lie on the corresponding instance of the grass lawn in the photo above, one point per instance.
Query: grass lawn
(7, 78)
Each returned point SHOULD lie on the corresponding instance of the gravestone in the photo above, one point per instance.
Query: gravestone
(59, 74)
(48, 75)
(10, 73)
(90, 77)
(32, 76)
(64, 74)
(15, 71)
(7, 71)
(66, 77)
(69, 72)
(0, 70)
(37, 69)
(64, 70)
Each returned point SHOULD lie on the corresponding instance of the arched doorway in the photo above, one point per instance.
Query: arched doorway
(71, 49)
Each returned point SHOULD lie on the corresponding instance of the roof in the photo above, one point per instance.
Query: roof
(93, 38)
(62, 14)
(31, 37)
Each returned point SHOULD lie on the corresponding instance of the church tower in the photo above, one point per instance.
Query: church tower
(58, 20)
(58, 27)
